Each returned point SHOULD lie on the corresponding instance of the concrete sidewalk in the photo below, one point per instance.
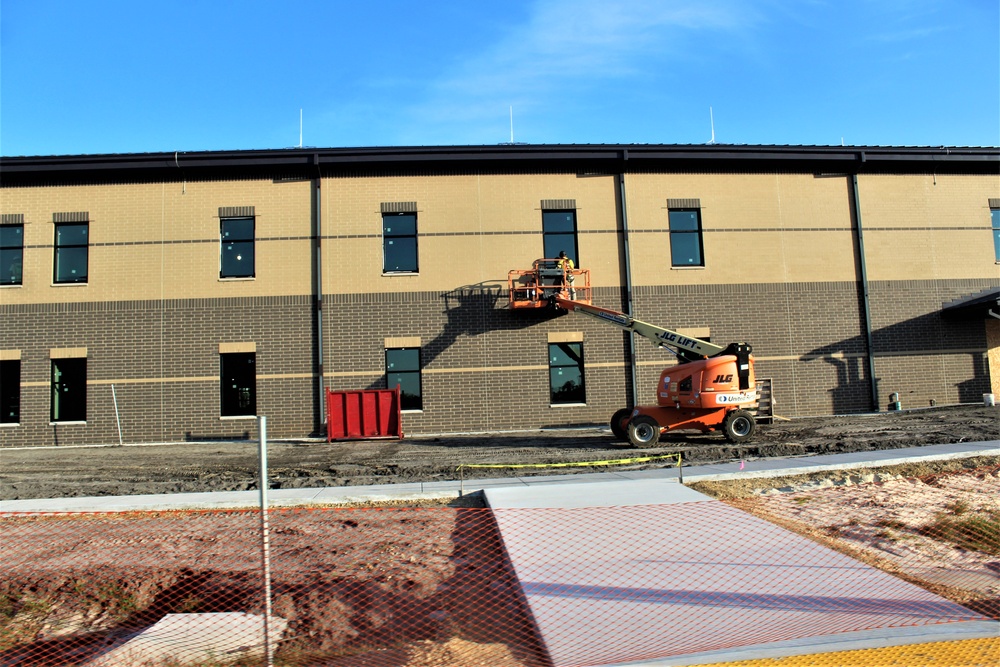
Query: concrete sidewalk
(684, 573)
(775, 467)
(675, 595)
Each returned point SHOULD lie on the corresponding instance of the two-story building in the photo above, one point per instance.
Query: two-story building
(178, 295)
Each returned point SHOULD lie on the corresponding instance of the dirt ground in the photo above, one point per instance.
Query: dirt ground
(359, 587)
(429, 586)
(232, 466)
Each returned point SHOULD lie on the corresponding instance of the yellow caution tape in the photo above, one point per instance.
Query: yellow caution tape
(581, 464)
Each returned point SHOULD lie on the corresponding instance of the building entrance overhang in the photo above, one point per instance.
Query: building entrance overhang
(980, 305)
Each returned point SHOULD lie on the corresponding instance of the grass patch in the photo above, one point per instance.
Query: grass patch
(975, 533)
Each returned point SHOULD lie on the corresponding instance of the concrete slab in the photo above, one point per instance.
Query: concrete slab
(617, 572)
(195, 639)
(604, 493)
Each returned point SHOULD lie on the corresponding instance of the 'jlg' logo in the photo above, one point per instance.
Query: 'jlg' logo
(722, 378)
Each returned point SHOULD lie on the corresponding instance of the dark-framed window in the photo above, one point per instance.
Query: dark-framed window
(995, 217)
(686, 247)
(71, 252)
(402, 367)
(69, 390)
(399, 242)
(559, 234)
(11, 254)
(237, 260)
(238, 384)
(10, 391)
(566, 382)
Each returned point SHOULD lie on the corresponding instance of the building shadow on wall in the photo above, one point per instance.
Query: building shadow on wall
(925, 335)
(852, 392)
(476, 310)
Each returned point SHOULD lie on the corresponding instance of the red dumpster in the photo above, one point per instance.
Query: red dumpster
(363, 414)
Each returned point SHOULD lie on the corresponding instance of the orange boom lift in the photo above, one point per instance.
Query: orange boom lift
(545, 280)
(712, 388)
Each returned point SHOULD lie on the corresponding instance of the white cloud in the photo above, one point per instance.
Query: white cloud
(564, 46)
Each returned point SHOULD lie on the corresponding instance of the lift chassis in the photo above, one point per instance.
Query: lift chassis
(712, 388)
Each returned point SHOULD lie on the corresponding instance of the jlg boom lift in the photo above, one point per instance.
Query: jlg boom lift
(546, 279)
(711, 388)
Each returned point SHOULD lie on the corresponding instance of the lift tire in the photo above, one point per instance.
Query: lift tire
(618, 424)
(739, 426)
(643, 431)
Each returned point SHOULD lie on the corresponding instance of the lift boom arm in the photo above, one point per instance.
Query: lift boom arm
(659, 336)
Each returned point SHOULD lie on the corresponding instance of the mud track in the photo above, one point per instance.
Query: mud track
(232, 466)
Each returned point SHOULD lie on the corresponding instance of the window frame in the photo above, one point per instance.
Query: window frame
(554, 240)
(229, 401)
(75, 386)
(243, 244)
(5, 251)
(675, 236)
(388, 233)
(577, 396)
(10, 391)
(406, 403)
(61, 252)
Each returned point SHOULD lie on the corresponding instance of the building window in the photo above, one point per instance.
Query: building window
(559, 234)
(10, 391)
(566, 373)
(239, 384)
(69, 390)
(237, 248)
(72, 248)
(399, 242)
(402, 367)
(685, 237)
(995, 214)
(11, 254)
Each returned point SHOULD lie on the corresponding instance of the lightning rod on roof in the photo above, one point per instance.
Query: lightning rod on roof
(711, 120)
(512, 124)
(300, 127)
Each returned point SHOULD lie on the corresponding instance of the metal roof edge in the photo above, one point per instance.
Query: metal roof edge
(851, 158)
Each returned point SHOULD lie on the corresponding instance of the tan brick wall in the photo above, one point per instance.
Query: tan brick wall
(928, 226)
(472, 229)
(153, 241)
(161, 241)
(758, 228)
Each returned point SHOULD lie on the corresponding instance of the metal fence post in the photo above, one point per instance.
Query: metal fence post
(265, 542)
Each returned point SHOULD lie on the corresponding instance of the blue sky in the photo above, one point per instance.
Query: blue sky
(103, 76)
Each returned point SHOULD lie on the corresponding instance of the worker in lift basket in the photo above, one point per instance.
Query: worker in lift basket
(530, 287)
(567, 266)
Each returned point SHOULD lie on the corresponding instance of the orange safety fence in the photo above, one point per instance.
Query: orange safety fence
(416, 587)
